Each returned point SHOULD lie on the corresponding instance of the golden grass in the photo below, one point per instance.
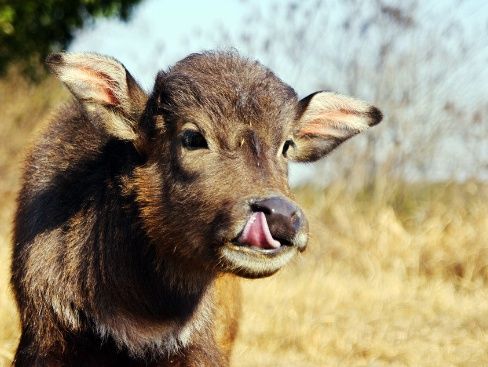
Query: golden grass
(380, 286)
(397, 276)
(23, 108)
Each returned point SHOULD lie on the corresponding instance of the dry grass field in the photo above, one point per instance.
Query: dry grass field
(393, 277)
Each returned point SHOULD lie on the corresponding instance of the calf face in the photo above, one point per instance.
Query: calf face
(215, 135)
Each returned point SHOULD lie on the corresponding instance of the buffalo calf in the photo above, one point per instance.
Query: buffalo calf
(138, 211)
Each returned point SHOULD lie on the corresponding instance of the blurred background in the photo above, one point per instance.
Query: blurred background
(397, 270)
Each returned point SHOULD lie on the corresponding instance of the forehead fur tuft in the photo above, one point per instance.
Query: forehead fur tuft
(226, 86)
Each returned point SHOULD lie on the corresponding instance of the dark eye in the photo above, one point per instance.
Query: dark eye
(289, 143)
(192, 140)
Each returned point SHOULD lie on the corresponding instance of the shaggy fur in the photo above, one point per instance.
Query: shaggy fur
(125, 249)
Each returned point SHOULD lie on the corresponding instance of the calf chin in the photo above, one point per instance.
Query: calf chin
(250, 263)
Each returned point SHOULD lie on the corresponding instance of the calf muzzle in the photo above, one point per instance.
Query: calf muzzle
(278, 221)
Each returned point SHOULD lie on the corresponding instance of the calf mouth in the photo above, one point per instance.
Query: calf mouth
(249, 262)
(254, 252)
(270, 252)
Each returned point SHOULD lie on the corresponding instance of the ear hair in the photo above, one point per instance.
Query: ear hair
(327, 119)
(104, 87)
(324, 110)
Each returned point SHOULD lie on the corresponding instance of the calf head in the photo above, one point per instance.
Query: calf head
(216, 135)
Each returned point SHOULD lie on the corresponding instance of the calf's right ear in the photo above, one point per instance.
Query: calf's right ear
(105, 87)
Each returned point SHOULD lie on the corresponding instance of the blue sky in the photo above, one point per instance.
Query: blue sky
(161, 32)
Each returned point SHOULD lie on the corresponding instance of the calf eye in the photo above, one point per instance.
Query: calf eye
(289, 143)
(192, 140)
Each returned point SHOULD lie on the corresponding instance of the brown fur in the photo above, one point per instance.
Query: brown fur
(125, 248)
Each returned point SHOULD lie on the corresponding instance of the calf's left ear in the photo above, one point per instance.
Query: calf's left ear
(327, 119)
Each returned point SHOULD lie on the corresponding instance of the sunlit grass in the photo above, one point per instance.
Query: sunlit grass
(383, 284)
(393, 276)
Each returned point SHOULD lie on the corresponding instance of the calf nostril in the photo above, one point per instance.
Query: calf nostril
(259, 207)
(296, 220)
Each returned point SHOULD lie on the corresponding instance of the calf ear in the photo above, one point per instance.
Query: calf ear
(327, 119)
(104, 87)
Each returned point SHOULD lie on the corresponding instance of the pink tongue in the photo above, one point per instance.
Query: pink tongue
(256, 233)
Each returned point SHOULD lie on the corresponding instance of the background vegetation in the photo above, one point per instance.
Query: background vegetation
(30, 29)
(396, 273)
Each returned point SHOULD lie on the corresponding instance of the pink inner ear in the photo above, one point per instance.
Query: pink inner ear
(335, 126)
(337, 123)
(317, 127)
(101, 85)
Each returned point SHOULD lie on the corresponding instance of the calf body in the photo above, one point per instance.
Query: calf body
(138, 212)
